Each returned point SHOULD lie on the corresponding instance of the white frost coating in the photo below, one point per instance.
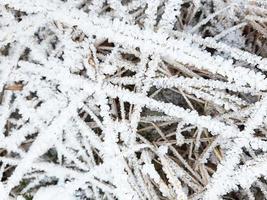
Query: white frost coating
(132, 99)
(171, 13)
(53, 193)
(150, 170)
(162, 150)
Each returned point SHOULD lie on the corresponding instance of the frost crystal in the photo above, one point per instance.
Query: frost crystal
(133, 99)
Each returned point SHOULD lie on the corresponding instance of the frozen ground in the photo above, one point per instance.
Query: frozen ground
(133, 99)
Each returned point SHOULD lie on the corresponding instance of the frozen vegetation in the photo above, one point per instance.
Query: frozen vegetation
(133, 99)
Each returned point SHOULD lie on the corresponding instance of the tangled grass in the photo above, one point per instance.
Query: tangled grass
(133, 99)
